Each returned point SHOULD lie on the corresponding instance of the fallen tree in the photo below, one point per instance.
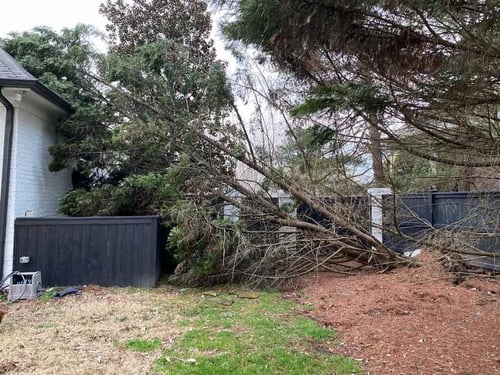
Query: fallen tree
(174, 138)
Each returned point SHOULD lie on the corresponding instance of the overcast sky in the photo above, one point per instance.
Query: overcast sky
(22, 15)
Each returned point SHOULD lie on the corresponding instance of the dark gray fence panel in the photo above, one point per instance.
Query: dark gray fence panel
(466, 210)
(476, 214)
(355, 209)
(414, 215)
(107, 251)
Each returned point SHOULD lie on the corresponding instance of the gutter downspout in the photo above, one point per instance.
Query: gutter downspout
(7, 150)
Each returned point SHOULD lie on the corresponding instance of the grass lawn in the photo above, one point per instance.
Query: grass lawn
(227, 334)
(166, 331)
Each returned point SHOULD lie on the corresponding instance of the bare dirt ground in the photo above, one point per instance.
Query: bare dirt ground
(411, 321)
(86, 334)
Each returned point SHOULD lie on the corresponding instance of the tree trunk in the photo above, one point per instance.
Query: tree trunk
(375, 146)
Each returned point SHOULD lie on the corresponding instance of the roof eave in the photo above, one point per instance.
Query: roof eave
(39, 89)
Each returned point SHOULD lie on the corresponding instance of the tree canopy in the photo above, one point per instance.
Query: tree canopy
(135, 105)
(406, 67)
(157, 131)
(61, 61)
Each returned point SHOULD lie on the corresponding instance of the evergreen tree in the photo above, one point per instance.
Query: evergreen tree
(428, 69)
(135, 107)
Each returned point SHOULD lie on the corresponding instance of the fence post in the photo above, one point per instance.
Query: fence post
(232, 213)
(377, 212)
(287, 233)
(430, 205)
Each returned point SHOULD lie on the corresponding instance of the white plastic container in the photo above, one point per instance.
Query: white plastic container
(25, 285)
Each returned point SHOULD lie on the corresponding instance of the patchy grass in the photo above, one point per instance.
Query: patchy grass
(230, 335)
(101, 331)
(47, 294)
(139, 345)
(166, 331)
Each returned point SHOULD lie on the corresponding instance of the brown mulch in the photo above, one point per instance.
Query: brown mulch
(411, 321)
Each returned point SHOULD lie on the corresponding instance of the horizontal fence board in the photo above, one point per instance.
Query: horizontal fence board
(94, 220)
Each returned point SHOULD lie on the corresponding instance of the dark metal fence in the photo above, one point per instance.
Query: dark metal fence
(107, 251)
(409, 218)
(476, 216)
(353, 209)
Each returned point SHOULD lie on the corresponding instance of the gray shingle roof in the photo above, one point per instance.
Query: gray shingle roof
(12, 74)
(11, 69)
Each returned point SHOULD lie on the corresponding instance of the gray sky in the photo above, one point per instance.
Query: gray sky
(22, 15)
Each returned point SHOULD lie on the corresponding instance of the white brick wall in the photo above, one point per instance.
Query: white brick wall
(32, 186)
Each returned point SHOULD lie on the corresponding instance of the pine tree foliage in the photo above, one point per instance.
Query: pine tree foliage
(434, 65)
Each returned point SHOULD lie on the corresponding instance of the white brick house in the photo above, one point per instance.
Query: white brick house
(29, 112)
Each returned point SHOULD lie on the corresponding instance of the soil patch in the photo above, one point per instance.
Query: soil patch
(411, 321)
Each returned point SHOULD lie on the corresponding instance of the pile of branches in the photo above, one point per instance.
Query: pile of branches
(259, 242)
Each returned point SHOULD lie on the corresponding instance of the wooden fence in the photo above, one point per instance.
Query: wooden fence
(107, 251)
